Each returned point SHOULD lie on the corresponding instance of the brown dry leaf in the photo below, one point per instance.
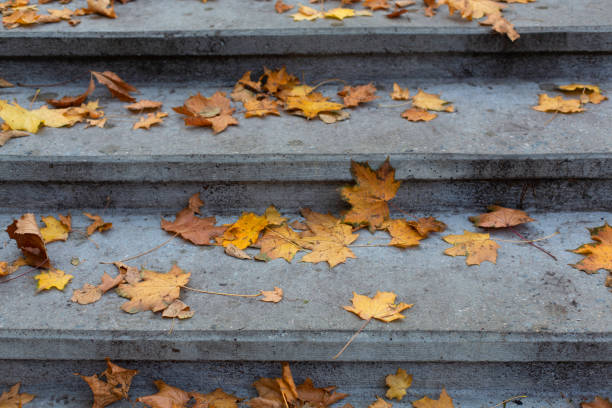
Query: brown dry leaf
(558, 104)
(377, 4)
(214, 112)
(29, 239)
(402, 233)
(476, 247)
(598, 255)
(501, 25)
(115, 388)
(6, 269)
(107, 282)
(443, 402)
(117, 86)
(216, 399)
(245, 89)
(333, 117)
(473, 9)
(87, 294)
(369, 196)
(380, 403)
(156, 291)
(433, 102)
(281, 7)
(273, 296)
(55, 230)
(231, 250)
(300, 226)
(399, 93)
(318, 397)
(143, 105)
(312, 104)
(500, 217)
(425, 226)
(128, 273)
(200, 231)
(598, 402)
(13, 399)
(418, 115)
(245, 231)
(145, 122)
(179, 310)
(260, 108)
(99, 123)
(7, 135)
(20, 17)
(280, 242)
(5, 84)
(328, 239)
(398, 383)
(404, 3)
(354, 95)
(98, 224)
(275, 392)
(274, 81)
(102, 7)
(167, 396)
(396, 13)
(53, 278)
(382, 307)
(68, 101)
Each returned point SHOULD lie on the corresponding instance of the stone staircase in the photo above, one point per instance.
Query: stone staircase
(526, 326)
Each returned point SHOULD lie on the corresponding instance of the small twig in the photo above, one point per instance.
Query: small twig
(504, 402)
(44, 85)
(220, 293)
(551, 119)
(399, 105)
(34, 97)
(348, 343)
(513, 241)
(367, 245)
(518, 234)
(402, 211)
(143, 253)
(327, 81)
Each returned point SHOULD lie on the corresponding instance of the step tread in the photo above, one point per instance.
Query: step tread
(526, 308)
(236, 27)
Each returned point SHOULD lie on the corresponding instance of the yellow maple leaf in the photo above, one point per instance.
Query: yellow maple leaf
(55, 230)
(471, 9)
(443, 402)
(339, 13)
(306, 13)
(598, 255)
(273, 216)
(54, 278)
(403, 235)
(433, 102)
(245, 231)
(145, 122)
(476, 247)
(558, 104)
(587, 93)
(18, 118)
(397, 384)
(312, 104)
(580, 87)
(216, 399)
(399, 93)
(381, 307)
(280, 242)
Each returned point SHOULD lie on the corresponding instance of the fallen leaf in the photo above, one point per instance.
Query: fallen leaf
(156, 291)
(87, 294)
(6, 269)
(587, 93)
(100, 123)
(306, 13)
(18, 118)
(425, 226)
(115, 388)
(214, 112)
(598, 402)
(473, 9)
(580, 87)
(369, 196)
(167, 396)
(377, 4)
(216, 399)
(107, 282)
(98, 224)
(300, 226)
(231, 250)
(281, 7)
(333, 117)
(53, 278)
(433, 102)
(501, 25)
(274, 81)
(500, 217)
(399, 93)
(382, 307)
(354, 95)
(145, 122)
(7, 135)
(402, 233)
(380, 403)
(339, 13)
(318, 397)
(55, 230)
(476, 247)
(275, 392)
(398, 383)
(102, 7)
(130, 274)
(12, 398)
(312, 104)
(418, 115)
(245, 89)
(273, 296)
(200, 231)
(273, 216)
(179, 310)
(245, 231)
(68, 101)
(29, 239)
(143, 105)
(404, 3)
(558, 104)
(598, 255)
(443, 402)
(280, 242)
(260, 108)
(5, 84)
(396, 13)
(117, 86)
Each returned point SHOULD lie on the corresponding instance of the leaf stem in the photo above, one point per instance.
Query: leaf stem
(327, 81)
(518, 234)
(513, 241)
(348, 343)
(221, 293)
(504, 402)
(143, 253)
(399, 105)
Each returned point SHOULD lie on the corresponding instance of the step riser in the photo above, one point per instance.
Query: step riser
(372, 67)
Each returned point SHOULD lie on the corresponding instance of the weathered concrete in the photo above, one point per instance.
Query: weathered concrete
(217, 29)
(527, 308)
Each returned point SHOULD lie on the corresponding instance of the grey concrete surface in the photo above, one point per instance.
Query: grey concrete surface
(527, 308)
(470, 385)
(235, 27)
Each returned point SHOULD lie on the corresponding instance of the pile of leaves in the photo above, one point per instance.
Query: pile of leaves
(582, 93)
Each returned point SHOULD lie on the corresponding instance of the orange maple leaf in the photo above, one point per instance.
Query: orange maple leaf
(443, 402)
(26, 233)
(354, 95)
(310, 105)
(598, 255)
(115, 388)
(212, 112)
(500, 217)
(200, 231)
(167, 396)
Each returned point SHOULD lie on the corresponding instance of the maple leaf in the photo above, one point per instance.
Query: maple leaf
(145, 122)
(100, 123)
(245, 231)
(599, 253)
(418, 115)
(115, 388)
(402, 233)
(67, 101)
(29, 239)
(306, 13)
(274, 81)
(354, 95)
(381, 307)
(501, 25)
(370, 195)
(396, 13)
(339, 13)
(214, 112)
(87, 294)
(558, 104)
(404, 3)
(7, 135)
(318, 397)
(245, 89)
(424, 226)
(500, 217)
(200, 231)
(397, 384)
(598, 402)
(273, 296)
(443, 402)
(256, 107)
(273, 216)
(155, 292)
(399, 93)
(102, 7)
(231, 250)
(216, 399)
(380, 403)
(179, 310)
(18, 118)
(429, 101)
(312, 104)
(117, 86)
(54, 278)
(55, 230)
(144, 105)
(275, 392)
(476, 247)
(6, 269)
(471, 9)
(377, 4)
(12, 398)
(281, 7)
(328, 239)
(333, 117)
(98, 224)
(587, 93)
(280, 242)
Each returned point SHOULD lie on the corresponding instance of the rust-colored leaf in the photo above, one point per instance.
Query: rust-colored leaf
(179, 310)
(117, 86)
(260, 107)
(214, 112)
(145, 122)
(377, 4)
(273, 296)
(167, 396)
(418, 115)
(598, 402)
(501, 25)
(29, 239)
(216, 399)
(402, 233)
(200, 231)
(6, 269)
(7, 135)
(500, 217)
(87, 294)
(443, 402)
(105, 8)
(143, 105)
(354, 95)
(68, 101)
(13, 399)
(425, 226)
(399, 93)
(281, 7)
(98, 224)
